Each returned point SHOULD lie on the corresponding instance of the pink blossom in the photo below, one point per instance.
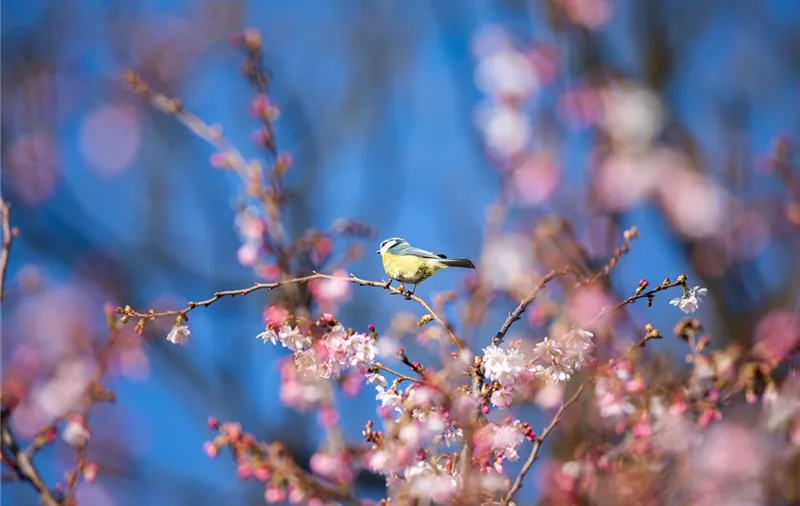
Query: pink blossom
(296, 391)
(210, 449)
(329, 292)
(559, 359)
(261, 473)
(506, 131)
(244, 470)
(90, 472)
(223, 160)
(250, 226)
(76, 432)
(248, 254)
(328, 417)
(549, 396)
(268, 272)
(507, 73)
(501, 398)
(333, 466)
(275, 316)
(273, 494)
(580, 106)
(777, 334)
(351, 385)
(591, 14)
(535, 180)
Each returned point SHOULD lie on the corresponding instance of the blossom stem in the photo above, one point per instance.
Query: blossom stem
(400, 376)
(8, 237)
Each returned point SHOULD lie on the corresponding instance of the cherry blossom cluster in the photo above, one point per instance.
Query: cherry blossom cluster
(327, 356)
(551, 360)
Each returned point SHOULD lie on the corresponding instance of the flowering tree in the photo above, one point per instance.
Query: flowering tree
(457, 413)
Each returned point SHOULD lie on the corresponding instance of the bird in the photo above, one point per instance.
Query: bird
(404, 263)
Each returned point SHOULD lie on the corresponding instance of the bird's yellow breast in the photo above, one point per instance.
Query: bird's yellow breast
(408, 268)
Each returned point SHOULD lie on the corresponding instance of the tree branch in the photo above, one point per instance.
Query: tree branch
(190, 306)
(21, 463)
(8, 237)
(516, 314)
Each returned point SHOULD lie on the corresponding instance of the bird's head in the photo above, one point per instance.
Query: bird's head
(389, 243)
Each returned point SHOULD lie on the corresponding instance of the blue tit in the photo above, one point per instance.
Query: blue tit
(407, 264)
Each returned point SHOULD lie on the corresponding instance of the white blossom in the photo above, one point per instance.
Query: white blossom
(268, 335)
(505, 439)
(690, 301)
(76, 433)
(561, 358)
(179, 334)
(292, 338)
(450, 437)
(506, 73)
(389, 398)
(501, 398)
(505, 367)
(376, 378)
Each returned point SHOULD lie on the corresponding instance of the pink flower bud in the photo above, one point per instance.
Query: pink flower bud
(328, 417)
(221, 161)
(283, 163)
(232, 430)
(261, 474)
(259, 105)
(90, 472)
(212, 423)
(273, 494)
(210, 449)
(248, 254)
(261, 137)
(244, 470)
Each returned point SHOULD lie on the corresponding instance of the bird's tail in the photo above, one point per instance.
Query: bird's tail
(466, 263)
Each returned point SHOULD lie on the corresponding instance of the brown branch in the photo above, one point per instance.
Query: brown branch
(401, 376)
(8, 237)
(127, 311)
(516, 314)
(627, 238)
(665, 285)
(21, 463)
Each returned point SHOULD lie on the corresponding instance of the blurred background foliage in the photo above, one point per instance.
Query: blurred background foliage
(116, 202)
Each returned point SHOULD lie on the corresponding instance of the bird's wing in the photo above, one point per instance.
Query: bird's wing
(419, 253)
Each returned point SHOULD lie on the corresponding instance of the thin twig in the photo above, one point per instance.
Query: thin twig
(8, 237)
(22, 464)
(190, 306)
(516, 314)
(378, 365)
(627, 238)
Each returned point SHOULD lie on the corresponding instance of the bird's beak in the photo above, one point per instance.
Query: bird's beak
(378, 252)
